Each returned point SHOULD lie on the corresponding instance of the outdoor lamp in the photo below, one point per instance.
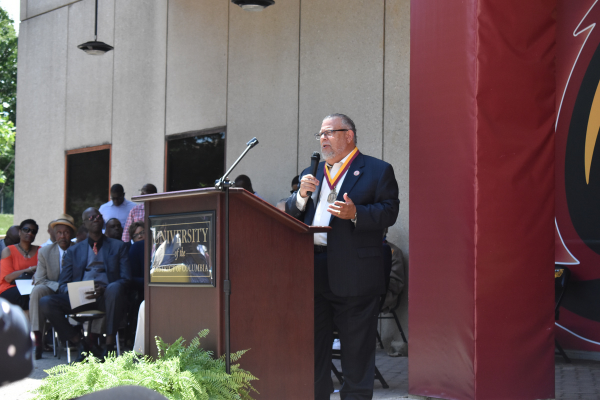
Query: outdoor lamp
(94, 47)
(253, 5)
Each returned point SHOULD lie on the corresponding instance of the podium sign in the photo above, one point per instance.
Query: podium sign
(183, 249)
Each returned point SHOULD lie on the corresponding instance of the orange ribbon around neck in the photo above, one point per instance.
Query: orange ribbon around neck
(333, 182)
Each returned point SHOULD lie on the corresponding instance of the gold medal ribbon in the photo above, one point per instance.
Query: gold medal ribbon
(333, 182)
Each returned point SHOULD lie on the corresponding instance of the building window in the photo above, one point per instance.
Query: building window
(195, 159)
(88, 179)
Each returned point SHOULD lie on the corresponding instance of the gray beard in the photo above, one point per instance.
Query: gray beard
(327, 154)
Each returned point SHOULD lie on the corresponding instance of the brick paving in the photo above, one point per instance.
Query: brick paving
(394, 371)
(579, 380)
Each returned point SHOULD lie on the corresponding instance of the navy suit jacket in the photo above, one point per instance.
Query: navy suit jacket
(116, 261)
(355, 253)
(136, 262)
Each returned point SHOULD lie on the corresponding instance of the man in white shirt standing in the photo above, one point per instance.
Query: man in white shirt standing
(52, 237)
(118, 207)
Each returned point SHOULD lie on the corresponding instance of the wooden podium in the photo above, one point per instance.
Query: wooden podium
(271, 303)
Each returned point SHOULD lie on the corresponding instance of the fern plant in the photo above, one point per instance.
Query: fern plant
(180, 373)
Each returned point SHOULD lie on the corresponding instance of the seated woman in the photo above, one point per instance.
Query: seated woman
(16, 260)
(136, 231)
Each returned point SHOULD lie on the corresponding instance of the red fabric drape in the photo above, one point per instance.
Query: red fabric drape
(481, 199)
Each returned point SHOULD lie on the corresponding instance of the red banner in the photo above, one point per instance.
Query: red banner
(482, 104)
(577, 227)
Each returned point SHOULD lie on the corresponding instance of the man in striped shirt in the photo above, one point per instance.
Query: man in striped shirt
(137, 212)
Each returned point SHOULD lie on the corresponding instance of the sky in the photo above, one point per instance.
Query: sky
(13, 7)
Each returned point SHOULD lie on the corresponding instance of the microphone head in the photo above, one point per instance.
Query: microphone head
(253, 142)
(316, 155)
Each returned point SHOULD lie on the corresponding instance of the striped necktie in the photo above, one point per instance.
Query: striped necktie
(62, 260)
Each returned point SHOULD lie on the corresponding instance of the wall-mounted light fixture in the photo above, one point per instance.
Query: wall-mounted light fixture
(94, 47)
(253, 5)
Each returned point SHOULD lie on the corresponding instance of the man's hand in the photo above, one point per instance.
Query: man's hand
(343, 209)
(98, 292)
(308, 183)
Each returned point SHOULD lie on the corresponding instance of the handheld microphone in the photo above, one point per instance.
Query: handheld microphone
(314, 164)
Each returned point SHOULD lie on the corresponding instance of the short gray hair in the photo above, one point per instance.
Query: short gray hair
(346, 121)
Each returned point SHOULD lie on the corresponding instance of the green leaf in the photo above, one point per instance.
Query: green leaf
(179, 373)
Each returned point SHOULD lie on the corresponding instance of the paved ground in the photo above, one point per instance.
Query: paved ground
(394, 371)
(577, 381)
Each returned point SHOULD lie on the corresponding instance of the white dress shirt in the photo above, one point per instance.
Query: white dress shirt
(322, 216)
(109, 210)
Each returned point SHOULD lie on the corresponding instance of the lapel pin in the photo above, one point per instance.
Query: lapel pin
(356, 173)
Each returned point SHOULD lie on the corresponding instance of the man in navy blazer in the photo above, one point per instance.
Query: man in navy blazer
(103, 260)
(357, 195)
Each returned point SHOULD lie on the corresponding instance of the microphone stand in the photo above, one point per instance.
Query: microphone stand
(223, 184)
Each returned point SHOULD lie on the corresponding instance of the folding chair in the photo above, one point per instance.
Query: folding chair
(89, 316)
(393, 316)
(336, 354)
(561, 281)
(392, 310)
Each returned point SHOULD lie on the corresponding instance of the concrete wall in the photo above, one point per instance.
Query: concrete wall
(263, 96)
(139, 94)
(32, 8)
(41, 111)
(396, 134)
(196, 65)
(89, 79)
(188, 65)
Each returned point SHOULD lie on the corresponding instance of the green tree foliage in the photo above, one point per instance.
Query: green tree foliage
(8, 66)
(179, 373)
(7, 158)
(8, 109)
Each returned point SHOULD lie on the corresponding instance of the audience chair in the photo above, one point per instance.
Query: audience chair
(55, 342)
(561, 282)
(336, 354)
(387, 259)
(393, 316)
(89, 316)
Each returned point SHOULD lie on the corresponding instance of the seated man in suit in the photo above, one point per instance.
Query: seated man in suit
(114, 229)
(103, 260)
(46, 275)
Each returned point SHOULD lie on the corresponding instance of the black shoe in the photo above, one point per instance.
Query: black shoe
(97, 351)
(38, 352)
(108, 349)
(82, 350)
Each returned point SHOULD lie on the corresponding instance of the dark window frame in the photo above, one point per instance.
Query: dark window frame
(188, 134)
(86, 150)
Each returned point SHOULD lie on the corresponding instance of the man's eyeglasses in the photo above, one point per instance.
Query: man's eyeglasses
(27, 229)
(329, 133)
(137, 235)
(96, 217)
